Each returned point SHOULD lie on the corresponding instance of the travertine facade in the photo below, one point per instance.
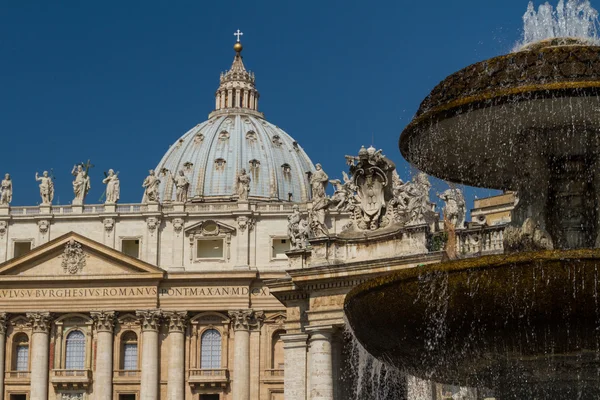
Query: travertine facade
(196, 292)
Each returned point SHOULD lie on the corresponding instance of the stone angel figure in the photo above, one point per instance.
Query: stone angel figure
(243, 185)
(113, 187)
(151, 187)
(182, 185)
(6, 190)
(81, 184)
(46, 188)
(344, 194)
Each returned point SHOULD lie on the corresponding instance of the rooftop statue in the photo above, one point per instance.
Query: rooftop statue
(298, 229)
(7, 190)
(46, 188)
(151, 187)
(243, 185)
(320, 203)
(182, 185)
(113, 187)
(81, 183)
(455, 208)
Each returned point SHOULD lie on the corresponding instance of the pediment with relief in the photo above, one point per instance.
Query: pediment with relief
(72, 256)
(209, 228)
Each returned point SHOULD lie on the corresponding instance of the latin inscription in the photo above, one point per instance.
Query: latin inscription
(131, 292)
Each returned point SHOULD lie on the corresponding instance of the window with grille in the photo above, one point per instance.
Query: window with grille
(75, 350)
(21, 355)
(129, 351)
(210, 357)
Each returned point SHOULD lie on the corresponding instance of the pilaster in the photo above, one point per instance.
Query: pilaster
(105, 321)
(294, 351)
(40, 339)
(150, 320)
(3, 318)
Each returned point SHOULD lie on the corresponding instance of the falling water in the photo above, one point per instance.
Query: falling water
(573, 19)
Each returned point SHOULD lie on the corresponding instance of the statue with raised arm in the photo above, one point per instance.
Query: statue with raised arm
(151, 187)
(7, 191)
(113, 187)
(81, 184)
(243, 185)
(46, 188)
(182, 185)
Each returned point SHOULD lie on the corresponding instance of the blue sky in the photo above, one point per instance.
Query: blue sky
(119, 82)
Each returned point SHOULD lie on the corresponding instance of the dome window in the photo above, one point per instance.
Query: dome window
(254, 164)
(199, 138)
(188, 165)
(287, 170)
(251, 136)
(223, 136)
(220, 164)
(179, 143)
(277, 141)
(296, 146)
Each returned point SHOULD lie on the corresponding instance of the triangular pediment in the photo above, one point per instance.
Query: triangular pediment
(209, 228)
(73, 256)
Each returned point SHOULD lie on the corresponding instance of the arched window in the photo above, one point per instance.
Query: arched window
(129, 351)
(21, 352)
(277, 361)
(75, 350)
(210, 356)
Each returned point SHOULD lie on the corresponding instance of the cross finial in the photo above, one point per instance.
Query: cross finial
(238, 34)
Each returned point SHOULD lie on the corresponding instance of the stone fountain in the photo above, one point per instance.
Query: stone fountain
(526, 323)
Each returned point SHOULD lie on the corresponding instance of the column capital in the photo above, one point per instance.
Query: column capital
(246, 319)
(40, 321)
(177, 320)
(150, 319)
(3, 320)
(105, 320)
(320, 332)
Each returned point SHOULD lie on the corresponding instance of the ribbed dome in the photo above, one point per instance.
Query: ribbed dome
(236, 137)
(213, 153)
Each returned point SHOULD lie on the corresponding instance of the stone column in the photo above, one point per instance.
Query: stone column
(229, 98)
(149, 382)
(2, 351)
(294, 377)
(243, 321)
(321, 365)
(251, 105)
(103, 374)
(40, 340)
(176, 382)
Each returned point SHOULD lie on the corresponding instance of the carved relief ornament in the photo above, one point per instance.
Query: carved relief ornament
(150, 319)
(3, 319)
(178, 225)
(3, 228)
(73, 257)
(109, 224)
(153, 223)
(177, 320)
(43, 226)
(245, 222)
(246, 319)
(40, 321)
(105, 320)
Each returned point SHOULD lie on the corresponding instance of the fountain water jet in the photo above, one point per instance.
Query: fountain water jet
(526, 324)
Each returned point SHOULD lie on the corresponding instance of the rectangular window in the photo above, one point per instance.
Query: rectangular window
(210, 248)
(129, 396)
(209, 397)
(21, 248)
(18, 397)
(22, 358)
(279, 247)
(131, 247)
(130, 356)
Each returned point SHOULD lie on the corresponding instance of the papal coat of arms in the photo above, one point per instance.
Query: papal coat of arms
(73, 258)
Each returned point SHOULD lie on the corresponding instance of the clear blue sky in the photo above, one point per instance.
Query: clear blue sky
(118, 82)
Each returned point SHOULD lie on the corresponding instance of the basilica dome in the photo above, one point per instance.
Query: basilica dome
(236, 137)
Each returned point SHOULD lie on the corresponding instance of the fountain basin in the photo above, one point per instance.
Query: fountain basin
(480, 125)
(519, 323)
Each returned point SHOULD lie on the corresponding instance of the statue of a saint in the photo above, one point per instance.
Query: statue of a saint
(182, 185)
(81, 184)
(151, 185)
(297, 229)
(318, 183)
(46, 188)
(113, 187)
(243, 185)
(7, 191)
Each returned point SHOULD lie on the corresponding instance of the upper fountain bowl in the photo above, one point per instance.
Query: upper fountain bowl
(482, 125)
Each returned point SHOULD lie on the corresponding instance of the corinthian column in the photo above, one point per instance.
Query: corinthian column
(243, 321)
(321, 365)
(149, 383)
(105, 322)
(2, 353)
(176, 383)
(40, 322)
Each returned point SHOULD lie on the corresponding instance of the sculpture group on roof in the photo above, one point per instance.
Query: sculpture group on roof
(374, 195)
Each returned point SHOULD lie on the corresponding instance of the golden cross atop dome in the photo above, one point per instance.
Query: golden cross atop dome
(238, 34)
